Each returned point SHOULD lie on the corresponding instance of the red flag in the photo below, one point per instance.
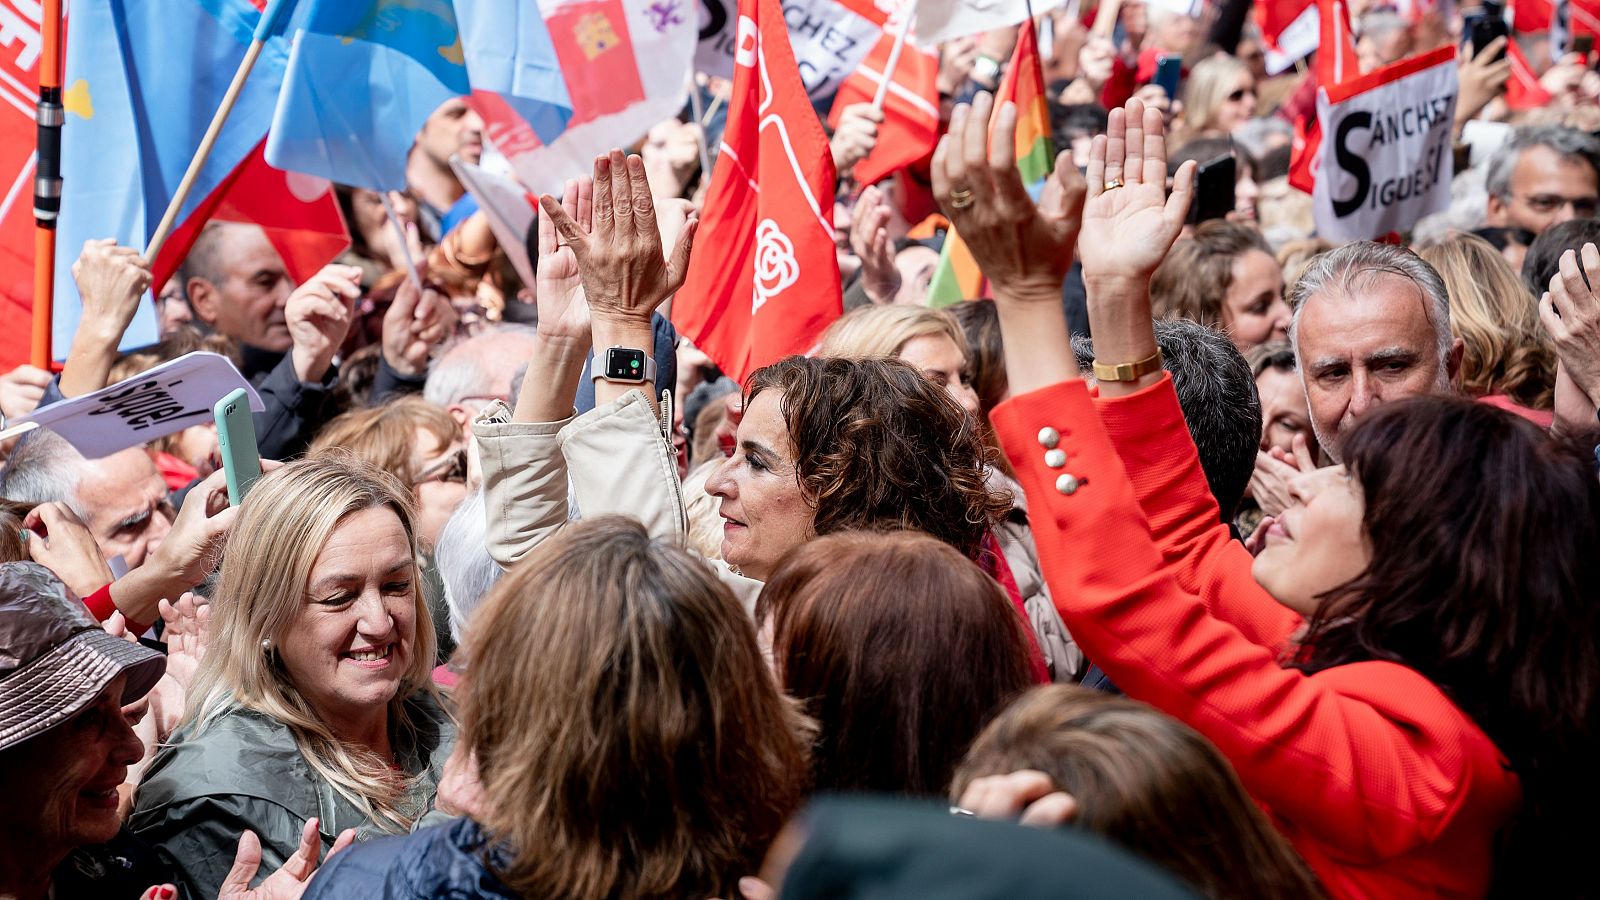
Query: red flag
(298, 212)
(764, 281)
(1523, 90)
(1336, 62)
(19, 79)
(1336, 49)
(910, 109)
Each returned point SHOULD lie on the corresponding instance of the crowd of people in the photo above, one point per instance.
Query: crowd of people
(1207, 559)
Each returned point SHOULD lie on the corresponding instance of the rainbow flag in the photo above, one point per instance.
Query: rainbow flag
(957, 278)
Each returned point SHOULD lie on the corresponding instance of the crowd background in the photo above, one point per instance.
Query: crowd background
(1325, 513)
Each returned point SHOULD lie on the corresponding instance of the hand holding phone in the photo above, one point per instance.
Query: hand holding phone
(1213, 190)
(236, 439)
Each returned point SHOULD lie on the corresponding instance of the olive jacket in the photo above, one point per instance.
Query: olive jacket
(244, 771)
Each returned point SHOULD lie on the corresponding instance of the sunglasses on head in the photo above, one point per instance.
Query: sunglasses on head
(1239, 94)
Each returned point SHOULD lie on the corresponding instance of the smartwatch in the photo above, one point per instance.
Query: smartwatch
(623, 364)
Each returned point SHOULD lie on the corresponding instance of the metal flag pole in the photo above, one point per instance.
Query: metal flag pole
(49, 116)
(697, 109)
(270, 17)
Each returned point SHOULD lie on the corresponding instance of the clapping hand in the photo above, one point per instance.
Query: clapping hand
(110, 279)
(869, 238)
(1025, 250)
(625, 274)
(563, 310)
(1570, 312)
(1129, 219)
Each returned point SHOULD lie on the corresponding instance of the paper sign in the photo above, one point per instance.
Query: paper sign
(150, 405)
(1386, 142)
(830, 39)
(507, 206)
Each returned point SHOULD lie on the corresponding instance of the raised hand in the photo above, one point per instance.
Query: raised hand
(869, 238)
(110, 279)
(1025, 250)
(1481, 77)
(558, 289)
(319, 313)
(1570, 312)
(1129, 220)
(21, 389)
(415, 323)
(625, 274)
(855, 136)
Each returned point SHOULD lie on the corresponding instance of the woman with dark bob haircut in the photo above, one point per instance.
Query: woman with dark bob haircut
(629, 739)
(1407, 678)
(900, 649)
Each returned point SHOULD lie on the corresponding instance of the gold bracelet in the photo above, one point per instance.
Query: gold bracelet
(1127, 371)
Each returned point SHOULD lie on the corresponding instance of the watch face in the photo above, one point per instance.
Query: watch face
(624, 365)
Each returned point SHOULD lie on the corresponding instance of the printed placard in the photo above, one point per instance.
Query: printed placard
(150, 405)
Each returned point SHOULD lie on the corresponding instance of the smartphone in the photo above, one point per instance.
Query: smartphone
(1483, 26)
(236, 439)
(1169, 69)
(1213, 189)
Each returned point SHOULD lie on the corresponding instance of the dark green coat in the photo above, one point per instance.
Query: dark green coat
(244, 771)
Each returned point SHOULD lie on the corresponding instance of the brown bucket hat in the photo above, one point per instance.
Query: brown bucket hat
(55, 659)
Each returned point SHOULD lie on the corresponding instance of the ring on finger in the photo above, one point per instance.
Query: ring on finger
(1113, 183)
(960, 198)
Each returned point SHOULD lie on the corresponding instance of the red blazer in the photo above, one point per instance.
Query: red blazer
(1377, 779)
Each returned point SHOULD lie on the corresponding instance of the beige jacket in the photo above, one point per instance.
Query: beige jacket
(615, 460)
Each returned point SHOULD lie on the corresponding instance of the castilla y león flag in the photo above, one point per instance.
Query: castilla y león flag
(763, 281)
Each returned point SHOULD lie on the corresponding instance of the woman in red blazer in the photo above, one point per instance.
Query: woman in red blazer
(1407, 683)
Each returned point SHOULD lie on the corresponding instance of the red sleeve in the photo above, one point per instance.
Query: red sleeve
(1151, 437)
(1368, 760)
(101, 606)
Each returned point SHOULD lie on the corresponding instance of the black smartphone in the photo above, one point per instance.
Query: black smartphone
(1169, 69)
(1484, 25)
(1213, 190)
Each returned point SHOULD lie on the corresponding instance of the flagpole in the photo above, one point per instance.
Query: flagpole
(49, 114)
(697, 109)
(894, 57)
(274, 12)
(405, 243)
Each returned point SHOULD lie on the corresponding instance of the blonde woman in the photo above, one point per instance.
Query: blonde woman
(629, 738)
(929, 340)
(1508, 360)
(313, 699)
(1219, 96)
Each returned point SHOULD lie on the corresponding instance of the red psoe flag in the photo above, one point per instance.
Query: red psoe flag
(764, 281)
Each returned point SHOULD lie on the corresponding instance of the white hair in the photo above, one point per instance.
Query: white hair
(462, 559)
(44, 468)
(469, 368)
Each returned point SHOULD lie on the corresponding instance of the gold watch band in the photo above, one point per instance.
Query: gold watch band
(1127, 371)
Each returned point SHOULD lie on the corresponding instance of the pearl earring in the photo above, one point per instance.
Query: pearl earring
(266, 644)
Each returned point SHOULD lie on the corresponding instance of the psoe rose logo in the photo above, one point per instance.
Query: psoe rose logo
(775, 266)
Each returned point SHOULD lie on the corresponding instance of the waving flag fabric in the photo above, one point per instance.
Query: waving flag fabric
(764, 281)
(628, 64)
(1336, 64)
(361, 80)
(957, 278)
(138, 99)
(829, 38)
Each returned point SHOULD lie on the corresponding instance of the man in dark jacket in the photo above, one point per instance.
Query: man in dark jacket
(238, 286)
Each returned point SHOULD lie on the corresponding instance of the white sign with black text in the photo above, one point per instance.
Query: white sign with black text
(150, 405)
(1386, 148)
